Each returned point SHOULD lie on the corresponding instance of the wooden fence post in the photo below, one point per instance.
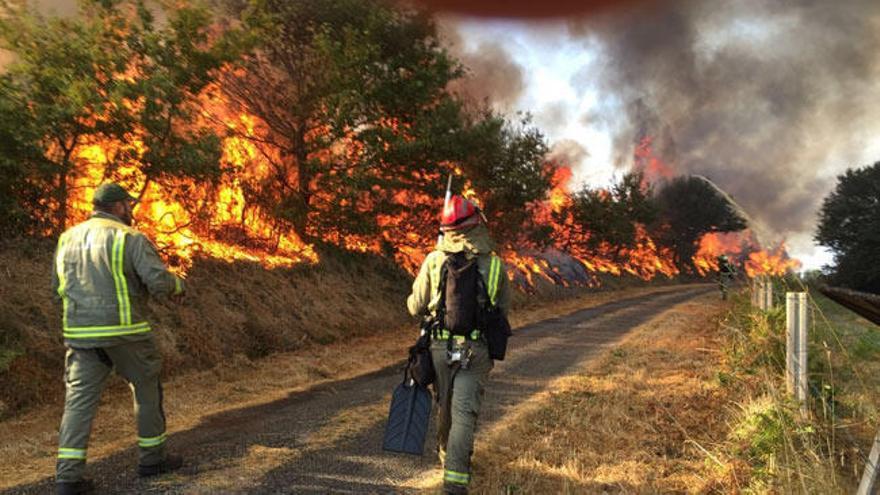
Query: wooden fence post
(757, 292)
(767, 295)
(796, 346)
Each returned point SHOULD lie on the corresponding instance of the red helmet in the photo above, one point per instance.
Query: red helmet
(459, 213)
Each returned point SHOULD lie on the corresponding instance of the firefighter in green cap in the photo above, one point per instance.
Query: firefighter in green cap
(461, 359)
(104, 270)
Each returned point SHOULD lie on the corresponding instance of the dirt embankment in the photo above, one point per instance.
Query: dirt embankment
(232, 313)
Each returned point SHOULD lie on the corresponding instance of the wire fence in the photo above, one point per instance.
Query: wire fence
(832, 371)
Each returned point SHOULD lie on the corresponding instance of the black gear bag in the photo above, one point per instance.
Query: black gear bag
(496, 328)
(420, 366)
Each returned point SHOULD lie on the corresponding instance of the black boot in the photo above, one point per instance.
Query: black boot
(172, 462)
(74, 487)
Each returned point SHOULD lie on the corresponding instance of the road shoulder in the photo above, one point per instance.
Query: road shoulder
(639, 419)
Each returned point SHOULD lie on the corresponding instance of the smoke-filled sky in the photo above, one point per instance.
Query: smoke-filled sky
(770, 99)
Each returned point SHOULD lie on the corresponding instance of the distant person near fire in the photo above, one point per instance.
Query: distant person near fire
(104, 272)
(458, 284)
(726, 272)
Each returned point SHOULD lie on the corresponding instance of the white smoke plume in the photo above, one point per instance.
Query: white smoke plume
(755, 95)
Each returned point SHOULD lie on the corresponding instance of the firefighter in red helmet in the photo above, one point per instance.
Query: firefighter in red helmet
(444, 290)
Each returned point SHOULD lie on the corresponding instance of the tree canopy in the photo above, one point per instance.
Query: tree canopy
(354, 99)
(849, 225)
(274, 122)
(109, 87)
(689, 207)
(611, 216)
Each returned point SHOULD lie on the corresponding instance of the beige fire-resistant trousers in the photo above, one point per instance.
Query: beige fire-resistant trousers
(458, 411)
(86, 371)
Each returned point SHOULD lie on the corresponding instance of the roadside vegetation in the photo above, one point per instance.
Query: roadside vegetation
(696, 402)
(773, 447)
(782, 449)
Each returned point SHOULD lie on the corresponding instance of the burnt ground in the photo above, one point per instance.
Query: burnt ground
(328, 439)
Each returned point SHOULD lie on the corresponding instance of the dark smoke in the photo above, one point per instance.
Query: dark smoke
(568, 152)
(491, 74)
(754, 95)
(553, 117)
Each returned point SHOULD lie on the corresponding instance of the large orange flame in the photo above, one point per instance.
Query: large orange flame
(226, 229)
(188, 219)
(646, 161)
(643, 259)
(774, 263)
(742, 248)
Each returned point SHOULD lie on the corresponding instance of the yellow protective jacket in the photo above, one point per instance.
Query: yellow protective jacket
(476, 243)
(103, 273)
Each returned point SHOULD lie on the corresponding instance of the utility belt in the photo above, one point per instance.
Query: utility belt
(458, 347)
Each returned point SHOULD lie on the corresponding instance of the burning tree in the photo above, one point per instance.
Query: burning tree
(506, 165)
(335, 127)
(358, 128)
(689, 208)
(598, 230)
(351, 109)
(92, 97)
(611, 216)
(306, 123)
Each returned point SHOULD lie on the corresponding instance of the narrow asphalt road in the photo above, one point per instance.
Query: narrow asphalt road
(328, 439)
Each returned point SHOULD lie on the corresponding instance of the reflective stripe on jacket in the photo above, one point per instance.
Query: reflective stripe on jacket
(103, 272)
(475, 242)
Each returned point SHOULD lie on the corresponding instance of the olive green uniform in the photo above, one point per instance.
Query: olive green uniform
(104, 272)
(457, 417)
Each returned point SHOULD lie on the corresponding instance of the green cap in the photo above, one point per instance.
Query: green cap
(111, 192)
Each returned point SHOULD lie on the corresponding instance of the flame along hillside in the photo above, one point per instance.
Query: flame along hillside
(225, 226)
(743, 248)
(188, 219)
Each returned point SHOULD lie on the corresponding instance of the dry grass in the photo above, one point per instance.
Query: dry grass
(245, 337)
(642, 419)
